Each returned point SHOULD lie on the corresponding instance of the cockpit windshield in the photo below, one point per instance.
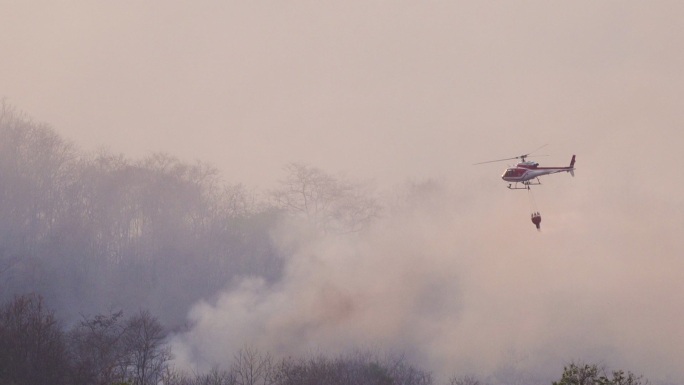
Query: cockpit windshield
(513, 173)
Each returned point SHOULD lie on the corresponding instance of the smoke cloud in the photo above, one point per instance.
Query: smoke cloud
(462, 287)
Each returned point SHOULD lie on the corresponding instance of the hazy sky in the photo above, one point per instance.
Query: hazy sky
(372, 88)
(392, 90)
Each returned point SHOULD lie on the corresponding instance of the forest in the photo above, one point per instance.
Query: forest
(102, 257)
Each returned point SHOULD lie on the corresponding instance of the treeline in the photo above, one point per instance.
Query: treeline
(85, 230)
(112, 349)
(35, 349)
(95, 232)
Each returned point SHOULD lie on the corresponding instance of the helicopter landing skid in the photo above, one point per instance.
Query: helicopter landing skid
(526, 185)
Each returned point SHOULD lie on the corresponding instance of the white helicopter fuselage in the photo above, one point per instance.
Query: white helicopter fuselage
(526, 171)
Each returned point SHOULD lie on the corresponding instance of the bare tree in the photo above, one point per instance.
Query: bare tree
(250, 367)
(585, 374)
(97, 350)
(214, 377)
(404, 373)
(32, 346)
(326, 202)
(464, 380)
(147, 354)
(357, 368)
(35, 167)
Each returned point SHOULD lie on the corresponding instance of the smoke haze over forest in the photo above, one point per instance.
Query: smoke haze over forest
(158, 180)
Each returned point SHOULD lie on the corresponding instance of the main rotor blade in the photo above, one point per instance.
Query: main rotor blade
(515, 157)
(535, 150)
(498, 160)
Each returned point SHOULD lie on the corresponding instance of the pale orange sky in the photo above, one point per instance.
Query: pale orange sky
(410, 90)
(376, 89)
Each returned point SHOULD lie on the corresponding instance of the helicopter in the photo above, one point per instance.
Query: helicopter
(527, 173)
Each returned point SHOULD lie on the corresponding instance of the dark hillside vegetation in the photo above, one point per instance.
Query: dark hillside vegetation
(97, 232)
(108, 349)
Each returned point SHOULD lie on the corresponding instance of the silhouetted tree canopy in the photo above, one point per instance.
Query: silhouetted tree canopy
(95, 231)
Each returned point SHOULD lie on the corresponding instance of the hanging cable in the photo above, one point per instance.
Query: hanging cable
(533, 203)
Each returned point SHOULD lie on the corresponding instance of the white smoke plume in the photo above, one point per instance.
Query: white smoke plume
(462, 285)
